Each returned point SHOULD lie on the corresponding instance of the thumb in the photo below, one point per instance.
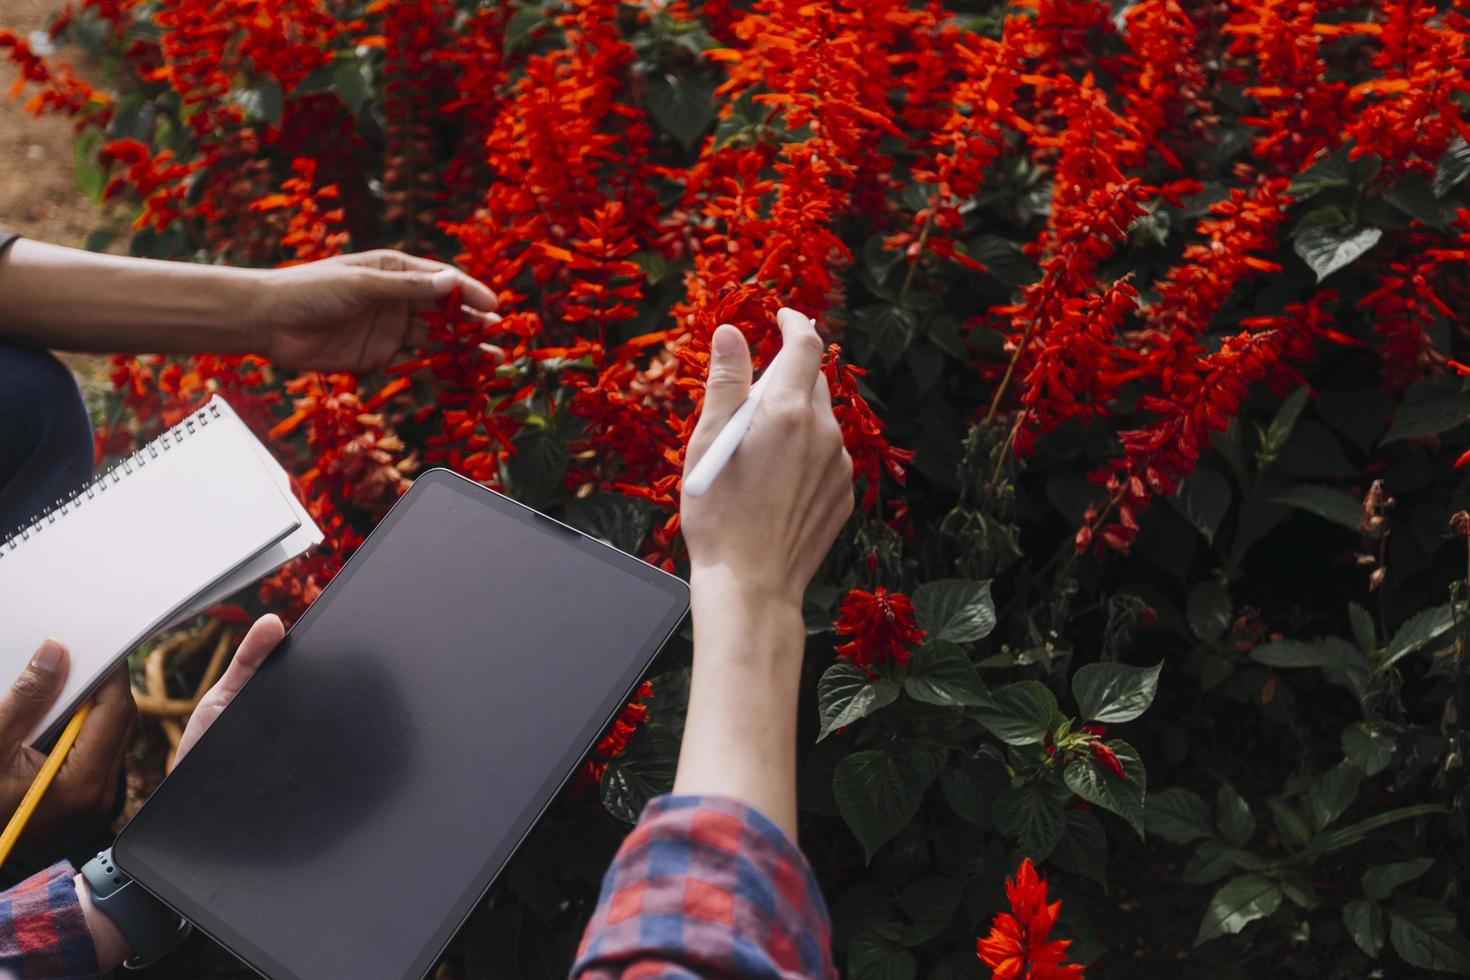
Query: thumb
(25, 704)
(413, 287)
(725, 387)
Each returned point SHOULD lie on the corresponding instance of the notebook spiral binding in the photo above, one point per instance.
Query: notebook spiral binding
(112, 476)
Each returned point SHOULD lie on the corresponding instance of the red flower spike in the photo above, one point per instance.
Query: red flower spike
(882, 627)
(1019, 945)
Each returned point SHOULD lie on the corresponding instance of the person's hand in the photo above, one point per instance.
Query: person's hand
(755, 540)
(354, 312)
(765, 525)
(261, 639)
(85, 787)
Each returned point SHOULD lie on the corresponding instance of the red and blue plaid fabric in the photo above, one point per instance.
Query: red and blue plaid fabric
(42, 930)
(707, 887)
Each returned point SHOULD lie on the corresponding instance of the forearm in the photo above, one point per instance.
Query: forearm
(70, 299)
(740, 735)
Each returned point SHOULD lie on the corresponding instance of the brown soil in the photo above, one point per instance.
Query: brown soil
(38, 193)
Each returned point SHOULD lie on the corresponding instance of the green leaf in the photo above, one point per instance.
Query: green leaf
(1019, 714)
(521, 24)
(1432, 405)
(1368, 747)
(890, 329)
(879, 790)
(539, 465)
(1327, 248)
(352, 82)
(1363, 630)
(1380, 880)
(643, 771)
(1097, 785)
(874, 958)
(1418, 631)
(879, 261)
(1425, 934)
(1083, 847)
(1329, 173)
(1289, 823)
(1233, 815)
(971, 788)
(508, 939)
(1033, 815)
(1209, 862)
(622, 522)
(262, 103)
(1333, 792)
(1177, 815)
(1414, 196)
(1364, 922)
(1328, 503)
(1285, 421)
(1329, 652)
(846, 694)
(1203, 499)
(957, 610)
(91, 178)
(1345, 837)
(941, 674)
(1453, 166)
(930, 903)
(1313, 451)
(1208, 609)
(1114, 693)
(683, 107)
(1003, 259)
(1240, 902)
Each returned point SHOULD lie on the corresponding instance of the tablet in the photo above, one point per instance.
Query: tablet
(359, 797)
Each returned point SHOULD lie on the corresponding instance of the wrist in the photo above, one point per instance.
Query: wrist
(112, 948)
(742, 593)
(238, 296)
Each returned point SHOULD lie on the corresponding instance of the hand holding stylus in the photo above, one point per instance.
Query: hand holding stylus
(713, 460)
(756, 537)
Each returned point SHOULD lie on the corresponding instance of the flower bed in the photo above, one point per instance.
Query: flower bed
(1145, 330)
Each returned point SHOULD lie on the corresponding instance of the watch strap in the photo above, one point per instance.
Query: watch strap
(150, 927)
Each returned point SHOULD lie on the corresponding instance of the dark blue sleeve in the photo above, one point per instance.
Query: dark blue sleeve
(7, 239)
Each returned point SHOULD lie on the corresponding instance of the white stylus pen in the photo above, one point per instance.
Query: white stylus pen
(698, 482)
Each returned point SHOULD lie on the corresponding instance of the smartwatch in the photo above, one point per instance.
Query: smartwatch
(150, 927)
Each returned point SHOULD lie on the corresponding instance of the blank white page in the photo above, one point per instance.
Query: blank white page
(138, 546)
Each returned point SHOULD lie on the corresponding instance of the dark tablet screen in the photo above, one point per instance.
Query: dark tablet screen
(346, 813)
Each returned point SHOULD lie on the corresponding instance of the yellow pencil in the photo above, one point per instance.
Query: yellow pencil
(42, 781)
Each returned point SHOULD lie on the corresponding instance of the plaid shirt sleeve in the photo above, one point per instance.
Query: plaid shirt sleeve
(707, 888)
(42, 930)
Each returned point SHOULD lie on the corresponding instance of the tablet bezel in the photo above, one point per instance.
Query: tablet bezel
(481, 882)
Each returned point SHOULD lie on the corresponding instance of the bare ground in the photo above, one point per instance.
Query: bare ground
(38, 192)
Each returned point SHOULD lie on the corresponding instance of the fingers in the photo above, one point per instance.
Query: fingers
(726, 386)
(90, 770)
(424, 280)
(418, 330)
(795, 369)
(257, 645)
(262, 638)
(25, 704)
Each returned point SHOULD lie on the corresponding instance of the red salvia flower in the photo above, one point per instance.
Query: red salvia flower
(1019, 945)
(882, 627)
(1108, 759)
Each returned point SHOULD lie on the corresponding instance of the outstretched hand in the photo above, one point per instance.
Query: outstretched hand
(355, 312)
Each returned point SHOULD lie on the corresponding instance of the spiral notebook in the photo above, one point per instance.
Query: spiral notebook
(192, 517)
